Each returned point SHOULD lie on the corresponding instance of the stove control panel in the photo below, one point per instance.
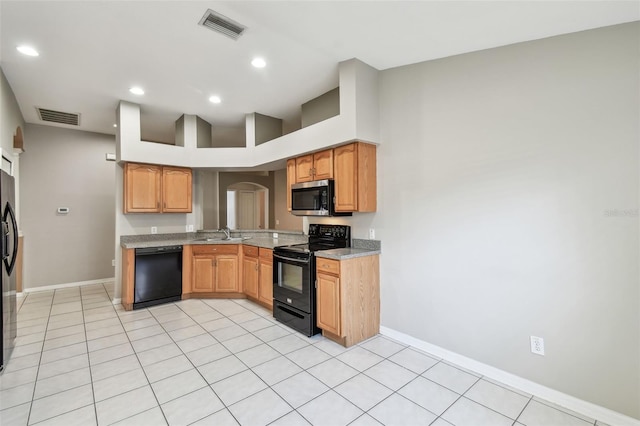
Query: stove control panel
(340, 232)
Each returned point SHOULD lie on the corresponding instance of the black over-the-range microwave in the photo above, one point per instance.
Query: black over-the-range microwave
(315, 198)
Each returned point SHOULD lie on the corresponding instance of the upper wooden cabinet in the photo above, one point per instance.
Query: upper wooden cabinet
(323, 165)
(315, 166)
(291, 179)
(142, 184)
(176, 190)
(354, 172)
(304, 168)
(150, 188)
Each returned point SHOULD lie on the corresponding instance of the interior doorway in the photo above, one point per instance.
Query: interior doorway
(247, 206)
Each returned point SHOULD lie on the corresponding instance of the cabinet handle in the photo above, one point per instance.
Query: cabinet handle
(165, 205)
(256, 267)
(158, 205)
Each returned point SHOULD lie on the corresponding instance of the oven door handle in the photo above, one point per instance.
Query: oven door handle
(289, 259)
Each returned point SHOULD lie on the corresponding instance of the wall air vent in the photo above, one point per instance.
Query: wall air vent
(220, 23)
(51, 116)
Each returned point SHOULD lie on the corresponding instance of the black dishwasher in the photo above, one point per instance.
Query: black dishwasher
(158, 276)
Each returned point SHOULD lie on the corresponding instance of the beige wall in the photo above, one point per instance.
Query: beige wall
(10, 120)
(67, 168)
(284, 219)
(498, 174)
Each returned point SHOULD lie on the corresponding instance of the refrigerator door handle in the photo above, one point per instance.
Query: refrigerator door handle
(8, 211)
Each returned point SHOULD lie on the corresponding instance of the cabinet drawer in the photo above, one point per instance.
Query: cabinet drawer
(250, 251)
(328, 266)
(215, 249)
(266, 255)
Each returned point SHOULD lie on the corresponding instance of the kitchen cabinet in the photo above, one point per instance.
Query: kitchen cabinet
(265, 287)
(250, 271)
(354, 171)
(215, 269)
(316, 166)
(257, 274)
(128, 277)
(348, 298)
(351, 166)
(176, 190)
(151, 188)
(291, 179)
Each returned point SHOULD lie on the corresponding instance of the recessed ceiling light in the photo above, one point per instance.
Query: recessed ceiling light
(215, 99)
(137, 91)
(259, 63)
(28, 50)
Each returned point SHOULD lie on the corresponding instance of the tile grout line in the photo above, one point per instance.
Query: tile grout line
(35, 384)
(143, 372)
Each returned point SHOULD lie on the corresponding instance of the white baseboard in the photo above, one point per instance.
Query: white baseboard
(67, 285)
(589, 409)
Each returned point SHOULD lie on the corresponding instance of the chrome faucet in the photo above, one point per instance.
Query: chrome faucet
(227, 232)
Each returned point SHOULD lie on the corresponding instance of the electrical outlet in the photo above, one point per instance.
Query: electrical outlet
(113, 262)
(189, 228)
(154, 229)
(275, 235)
(372, 234)
(537, 345)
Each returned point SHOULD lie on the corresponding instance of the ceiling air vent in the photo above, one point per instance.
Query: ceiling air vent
(59, 117)
(220, 23)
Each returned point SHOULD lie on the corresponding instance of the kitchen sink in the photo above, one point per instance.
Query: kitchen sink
(230, 240)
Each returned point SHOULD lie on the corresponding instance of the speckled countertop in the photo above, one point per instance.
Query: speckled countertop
(346, 253)
(259, 238)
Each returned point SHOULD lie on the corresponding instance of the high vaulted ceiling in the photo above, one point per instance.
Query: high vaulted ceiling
(92, 52)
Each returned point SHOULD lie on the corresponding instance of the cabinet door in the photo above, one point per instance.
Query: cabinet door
(202, 271)
(250, 276)
(226, 273)
(346, 178)
(323, 165)
(291, 179)
(176, 190)
(142, 188)
(328, 302)
(304, 168)
(266, 283)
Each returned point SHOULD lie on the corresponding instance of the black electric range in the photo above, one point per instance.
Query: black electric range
(294, 276)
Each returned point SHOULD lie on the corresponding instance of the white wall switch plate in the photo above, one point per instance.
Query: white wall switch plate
(275, 235)
(113, 262)
(154, 229)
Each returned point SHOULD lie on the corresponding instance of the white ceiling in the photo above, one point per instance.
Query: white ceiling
(92, 52)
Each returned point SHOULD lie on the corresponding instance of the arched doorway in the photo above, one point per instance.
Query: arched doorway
(247, 206)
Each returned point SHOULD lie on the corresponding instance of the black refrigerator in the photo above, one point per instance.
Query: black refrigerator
(9, 250)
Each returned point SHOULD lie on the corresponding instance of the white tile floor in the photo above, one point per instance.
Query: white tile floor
(79, 360)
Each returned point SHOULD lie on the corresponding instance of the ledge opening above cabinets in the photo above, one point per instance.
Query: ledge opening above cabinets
(150, 188)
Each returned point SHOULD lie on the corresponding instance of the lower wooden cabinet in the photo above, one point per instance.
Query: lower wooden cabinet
(215, 269)
(348, 298)
(257, 274)
(265, 288)
(328, 302)
(250, 271)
